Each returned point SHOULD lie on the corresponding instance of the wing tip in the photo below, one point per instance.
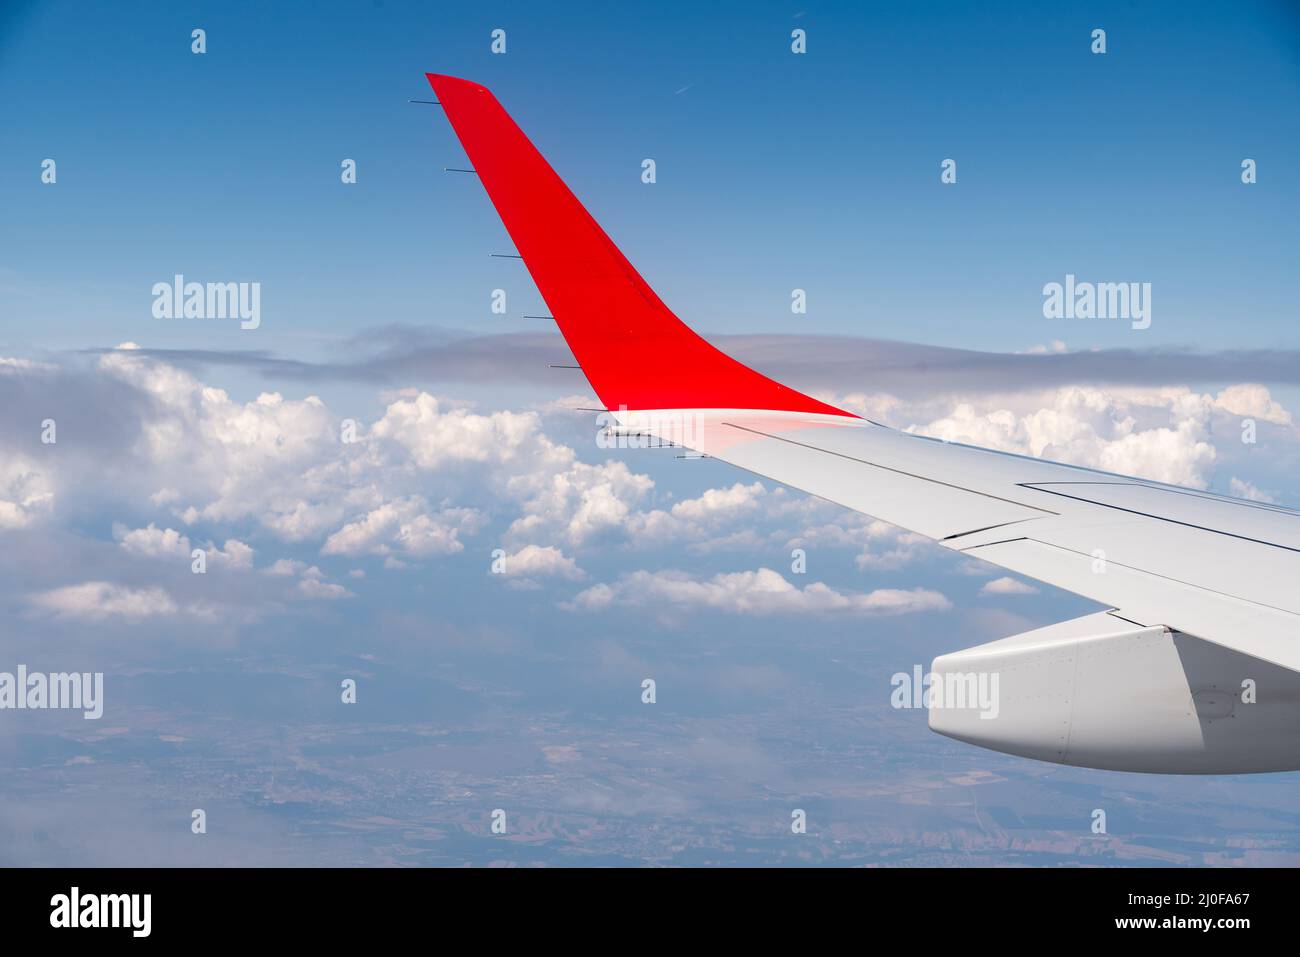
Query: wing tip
(539, 212)
(442, 83)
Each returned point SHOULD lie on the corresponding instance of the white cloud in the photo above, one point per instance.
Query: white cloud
(285, 567)
(437, 433)
(876, 406)
(315, 588)
(758, 592)
(273, 460)
(98, 600)
(12, 366)
(704, 517)
(168, 543)
(282, 463)
(577, 503)
(560, 496)
(880, 545)
(404, 525)
(234, 553)
(1162, 434)
(1055, 347)
(154, 542)
(26, 495)
(312, 583)
(427, 475)
(1170, 434)
(1252, 401)
(535, 561)
(1243, 489)
(739, 499)
(1008, 586)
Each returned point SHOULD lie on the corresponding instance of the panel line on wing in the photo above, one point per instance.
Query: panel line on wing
(974, 550)
(1160, 518)
(986, 528)
(886, 468)
(1177, 490)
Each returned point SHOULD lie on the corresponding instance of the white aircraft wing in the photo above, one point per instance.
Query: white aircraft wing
(1195, 666)
(1218, 568)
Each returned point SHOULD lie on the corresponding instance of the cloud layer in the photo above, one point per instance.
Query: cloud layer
(276, 487)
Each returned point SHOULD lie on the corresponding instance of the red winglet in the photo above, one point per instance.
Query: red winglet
(635, 353)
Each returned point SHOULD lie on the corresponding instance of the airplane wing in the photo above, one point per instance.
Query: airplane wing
(1169, 561)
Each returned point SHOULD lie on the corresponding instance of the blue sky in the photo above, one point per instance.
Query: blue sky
(775, 171)
(371, 560)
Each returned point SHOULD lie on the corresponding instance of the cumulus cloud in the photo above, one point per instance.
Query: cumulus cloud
(220, 460)
(1008, 586)
(305, 474)
(285, 568)
(168, 543)
(315, 588)
(425, 477)
(404, 525)
(311, 583)
(704, 517)
(579, 502)
(26, 495)
(154, 542)
(1243, 489)
(1055, 347)
(536, 561)
(429, 473)
(880, 545)
(1165, 434)
(759, 592)
(1252, 401)
(436, 434)
(98, 600)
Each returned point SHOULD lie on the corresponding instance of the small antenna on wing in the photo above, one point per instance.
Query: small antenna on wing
(453, 169)
(427, 102)
(505, 256)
